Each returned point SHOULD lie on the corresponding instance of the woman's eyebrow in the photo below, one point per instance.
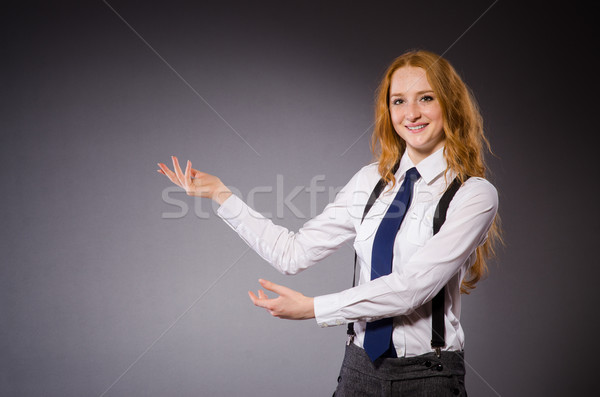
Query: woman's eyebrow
(418, 93)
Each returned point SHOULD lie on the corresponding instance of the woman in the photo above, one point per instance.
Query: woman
(427, 132)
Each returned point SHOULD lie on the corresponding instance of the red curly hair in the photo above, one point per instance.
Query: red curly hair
(463, 128)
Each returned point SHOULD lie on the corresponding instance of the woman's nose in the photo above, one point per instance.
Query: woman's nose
(412, 112)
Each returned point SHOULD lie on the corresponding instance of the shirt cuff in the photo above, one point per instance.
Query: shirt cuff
(232, 210)
(327, 311)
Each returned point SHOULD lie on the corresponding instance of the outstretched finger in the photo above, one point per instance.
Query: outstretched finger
(188, 174)
(260, 302)
(169, 174)
(178, 171)
(164, 168)
(278, 289)
(253, 297)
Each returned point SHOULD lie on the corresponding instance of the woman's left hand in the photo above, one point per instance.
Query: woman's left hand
(290, 304)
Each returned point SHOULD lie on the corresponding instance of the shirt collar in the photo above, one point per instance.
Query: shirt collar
(429, 168)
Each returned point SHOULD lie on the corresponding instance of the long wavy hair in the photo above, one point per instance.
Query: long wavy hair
(463, 128)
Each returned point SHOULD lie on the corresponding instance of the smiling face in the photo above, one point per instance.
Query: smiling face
(416, 112)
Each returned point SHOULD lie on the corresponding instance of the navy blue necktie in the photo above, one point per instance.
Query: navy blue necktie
(378, 336)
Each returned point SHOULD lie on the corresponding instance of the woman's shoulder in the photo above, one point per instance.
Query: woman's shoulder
(363, 180)
(370, 170)
(480, 183)
(368, 175)
(481, 188)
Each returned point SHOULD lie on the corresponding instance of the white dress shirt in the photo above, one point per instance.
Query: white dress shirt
(422, 263)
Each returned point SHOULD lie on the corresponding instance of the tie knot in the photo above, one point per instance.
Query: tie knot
(412, 174)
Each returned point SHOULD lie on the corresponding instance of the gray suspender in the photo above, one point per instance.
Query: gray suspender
(437, 304)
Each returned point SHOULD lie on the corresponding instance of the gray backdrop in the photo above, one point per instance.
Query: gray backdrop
(113, 284)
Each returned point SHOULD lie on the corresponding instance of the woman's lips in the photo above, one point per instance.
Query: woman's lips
(416, 127)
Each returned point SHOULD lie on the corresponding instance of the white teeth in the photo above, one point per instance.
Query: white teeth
(420, 127)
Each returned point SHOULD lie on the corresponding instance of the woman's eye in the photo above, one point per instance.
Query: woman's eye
(397, 101)
(427, 98)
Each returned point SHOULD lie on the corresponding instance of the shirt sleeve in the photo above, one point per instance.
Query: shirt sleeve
(290, 252)
(469, 218)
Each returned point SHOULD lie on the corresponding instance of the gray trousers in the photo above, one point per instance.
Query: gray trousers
(421, 376)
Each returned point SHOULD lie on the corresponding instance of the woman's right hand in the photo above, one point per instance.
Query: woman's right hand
(194, 182)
